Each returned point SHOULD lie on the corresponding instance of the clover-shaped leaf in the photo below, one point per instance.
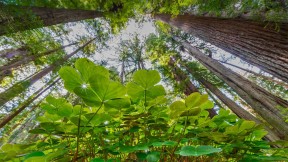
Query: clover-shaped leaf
(144, 85)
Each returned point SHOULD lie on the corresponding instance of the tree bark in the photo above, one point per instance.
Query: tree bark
(23, 85)
(264, 103)
(285, 85)
(38, 93)
(10, 53)
(48, 17)
(259, 44)
(24, 60)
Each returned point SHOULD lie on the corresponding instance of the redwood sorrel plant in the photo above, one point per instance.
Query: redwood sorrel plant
(136, 122)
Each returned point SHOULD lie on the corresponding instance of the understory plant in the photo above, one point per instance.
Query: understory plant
(137, 122)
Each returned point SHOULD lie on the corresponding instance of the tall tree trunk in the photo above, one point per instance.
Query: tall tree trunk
(26, 59)
(10, 53)
(48, 17)
(238, 110)
(32, 98)
(189, 87)
(122, 74)
(23, 85)
(285, 85)
(257, 43)
(181, 78)
(264, 103)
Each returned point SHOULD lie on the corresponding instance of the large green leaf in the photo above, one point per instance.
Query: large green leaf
(177, 108)
(198, 100)
(198, 150)
(58, 106)
(34, 154)
(87, 69)
(98, 118)
(144, 85)
(79, 77)
(106, 89)
(153, 156)
(71, 78)
(146, 78)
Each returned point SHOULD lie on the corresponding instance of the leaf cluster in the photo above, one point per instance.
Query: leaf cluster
(116, 122)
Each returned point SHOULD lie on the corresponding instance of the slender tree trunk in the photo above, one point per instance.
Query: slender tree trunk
(189, 87)
(254, 42)
(24, 60)
(10, 53)
(48, 17)
(122, 74)
(285, 85)
(181, 78)
(38, 93)
(264, 103)
(238, 110)
(23, 85)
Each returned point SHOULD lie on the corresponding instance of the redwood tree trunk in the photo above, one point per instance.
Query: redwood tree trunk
(26, 59)
(48, 16)
(264, 103)
(23, 85)
(259, 44)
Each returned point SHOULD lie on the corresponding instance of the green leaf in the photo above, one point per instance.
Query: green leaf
(146, 78)
(49, 117)
(177, 108)
(87, 69)
(153, 156)
(198, 150)
(58, 106)
(88, 96)
(246, 125)
(36, 159)
(155, 91)
(98, 160)
(33, 154)
(106, 89)
(77, 78)
(38, 131)
(135, 90)
(192, 99)
(71, 78)
(118, 103)
(143, 85)
(141, 147)
(98, 118)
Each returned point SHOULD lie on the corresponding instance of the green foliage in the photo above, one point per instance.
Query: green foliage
(115, 124)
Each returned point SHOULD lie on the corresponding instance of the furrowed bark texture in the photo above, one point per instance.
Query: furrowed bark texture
(48, 16)
(23, 85)
(259, 44)
(264, 103)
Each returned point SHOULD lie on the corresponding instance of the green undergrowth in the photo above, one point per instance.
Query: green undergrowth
(136, 122)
